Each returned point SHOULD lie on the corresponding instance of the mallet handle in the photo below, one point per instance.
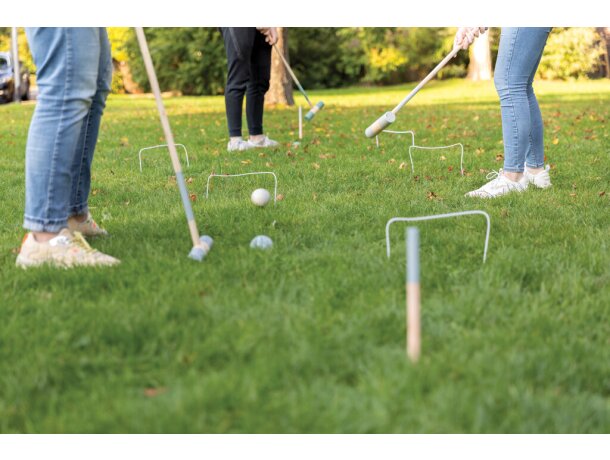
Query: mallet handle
(292, 75)
(429, 77)
(169, 137)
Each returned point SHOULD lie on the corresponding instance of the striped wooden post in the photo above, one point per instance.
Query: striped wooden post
(413, 295)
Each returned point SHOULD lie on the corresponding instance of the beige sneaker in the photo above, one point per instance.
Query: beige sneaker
(88, 228)
(66, 250)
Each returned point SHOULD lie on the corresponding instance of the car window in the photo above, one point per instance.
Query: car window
(3, 63)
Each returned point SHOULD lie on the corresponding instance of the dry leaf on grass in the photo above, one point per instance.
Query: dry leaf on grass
(152, 392)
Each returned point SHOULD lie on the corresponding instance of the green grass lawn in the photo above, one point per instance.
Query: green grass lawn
(310, 336)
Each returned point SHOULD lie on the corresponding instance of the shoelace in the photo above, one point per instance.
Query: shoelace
(494, 175)
(80, 241)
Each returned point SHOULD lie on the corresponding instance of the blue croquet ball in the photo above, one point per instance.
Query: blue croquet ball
(261, 242)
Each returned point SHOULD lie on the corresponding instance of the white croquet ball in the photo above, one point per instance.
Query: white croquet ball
(260, 197)
(261, 242)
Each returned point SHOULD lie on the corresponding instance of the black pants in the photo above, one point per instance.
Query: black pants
(248, 72)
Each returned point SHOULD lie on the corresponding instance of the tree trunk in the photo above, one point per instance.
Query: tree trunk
(130, 86)
(604, 33)
(480, 59)
(280, 85)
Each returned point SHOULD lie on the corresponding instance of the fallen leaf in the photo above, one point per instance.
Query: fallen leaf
(555, 141)
(262, 155)
(269, 164)
(189, 180)
(193, 197)
(499, 157)
(443, 158)
(601, 193)
(152, 392)
(391, 161)
(124, 141)
(431, 195)
(246, 162)
(280, 197)
(402, 165)
(315, 166)
(572, 194)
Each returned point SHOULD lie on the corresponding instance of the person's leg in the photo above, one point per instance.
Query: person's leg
(238, 46)
(258, 85)
(518, 57)
(81, 168)
(534, 156)
(67, 62)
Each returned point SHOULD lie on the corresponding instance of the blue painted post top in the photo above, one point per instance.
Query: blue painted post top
(412, 255)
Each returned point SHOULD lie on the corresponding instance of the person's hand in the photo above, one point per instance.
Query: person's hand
(270, 34)
(466, 35)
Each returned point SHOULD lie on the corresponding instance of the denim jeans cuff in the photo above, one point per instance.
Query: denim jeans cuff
(78, 209)
(37, 225)
(513, 169)
(541, 165)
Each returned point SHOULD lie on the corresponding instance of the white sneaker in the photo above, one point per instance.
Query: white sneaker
(66, 250)
(540, 180)
(264, 142)
(238, 145)
(498, 186)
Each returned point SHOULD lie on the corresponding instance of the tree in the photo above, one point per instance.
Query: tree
(280, 85)
(604, 33)
(479, 68)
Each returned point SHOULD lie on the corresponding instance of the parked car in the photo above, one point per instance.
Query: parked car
(7, 79)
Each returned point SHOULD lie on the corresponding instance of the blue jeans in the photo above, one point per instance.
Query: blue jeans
(518, 58)
(74, 76)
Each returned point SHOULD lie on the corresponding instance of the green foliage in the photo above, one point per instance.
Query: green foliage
(395, 54)
(189, 60)
(324, 57)
(571, 53)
